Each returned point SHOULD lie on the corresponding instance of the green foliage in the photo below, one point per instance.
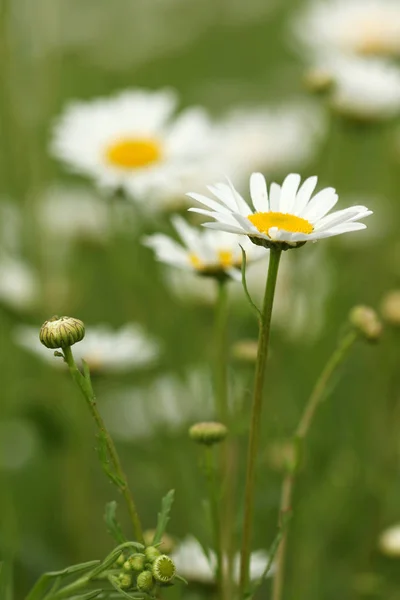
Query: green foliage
(113, 526)
(163, 516)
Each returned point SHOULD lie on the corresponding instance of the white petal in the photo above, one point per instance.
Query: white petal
(340, 216)
(246, 224)
(208, 202)
(188, 234)
(241, 203)
(222, 217)
(274, 196)
(224, 227)
(304, 194)
(322, 203)
(224, 193)
(259, 192)
(288, 192)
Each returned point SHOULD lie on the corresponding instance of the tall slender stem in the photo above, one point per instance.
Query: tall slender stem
(263, 340)
(220, 358)
(302, 430)
(210, 469)
(121, 479)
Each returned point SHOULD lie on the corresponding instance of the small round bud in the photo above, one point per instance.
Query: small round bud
(245, 351)
(145, 581)
(367, 322)
(151, 553)
(136, 562)
(167, 543)
(318, 80)
(60, 332)
(125, 580)
(120, 560)
(163, 569)
(127, 566)
(208, 433)
(391, 308)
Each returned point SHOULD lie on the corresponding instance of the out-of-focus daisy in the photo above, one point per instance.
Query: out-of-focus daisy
(364, 89)
(389, 541)
(18, 284)
(207, 253)
(289, 215)
(192, 563)
(363, 27)
(103, 348)
(139, 413)
(266, 139)
(133, 141)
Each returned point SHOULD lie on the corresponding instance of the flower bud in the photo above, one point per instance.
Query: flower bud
(60, 332)
(136, 562)
(120, 560)
(318, 80)
(125, 580)
(145, 581)
(367, 322)
(163, 569)
(127, 566)
(167, 543)
(245, 351)
(208, 433)
(151, 553)
(391, 308)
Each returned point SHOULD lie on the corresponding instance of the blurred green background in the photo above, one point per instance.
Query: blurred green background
(218, 54)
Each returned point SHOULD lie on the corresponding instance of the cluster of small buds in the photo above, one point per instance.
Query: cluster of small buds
(366, 321)
(61, 332)
(208, 433)
(144, 571)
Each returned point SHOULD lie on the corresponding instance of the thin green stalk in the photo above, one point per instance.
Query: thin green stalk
(263, 340)
(210, 469)
(120, 481)
(220, 358)
(302, 430)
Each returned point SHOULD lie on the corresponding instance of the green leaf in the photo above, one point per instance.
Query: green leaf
(6, 581)
(111, 579)
(254, 307)
(44, 581)
(113, 527)
(163, 516)
(88, 595)
(102, 452)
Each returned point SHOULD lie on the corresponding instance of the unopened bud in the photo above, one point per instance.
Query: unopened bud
(151, 553)
(127, 566)
(145, 581)
(60, 332)
(136, 562)
(125, 580)
(391, 308)
(245, 351)
(163, 569)
(120, 560)
(208, 433)
(318, 80)
(166, 545)
(367, 322)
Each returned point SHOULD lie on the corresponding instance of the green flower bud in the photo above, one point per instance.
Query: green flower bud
(366, 321)
(127, 566)
(120, 560)
(208, 433)
(145, 581)
(125, 580)
(136, 562)
(59, 332)
(391, 308)
(151, 553)
(245, 351)
(163, 569)
(167, 542)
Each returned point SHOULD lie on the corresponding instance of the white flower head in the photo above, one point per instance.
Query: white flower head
(192, 563)
(133, 142)
(360, 27)
(288, 216)
(389, 541)
(103, 348)
(215, 254)
(19, 286)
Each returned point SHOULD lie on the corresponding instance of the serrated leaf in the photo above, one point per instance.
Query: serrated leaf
(112, 524)
(163, 516)
(44, 581)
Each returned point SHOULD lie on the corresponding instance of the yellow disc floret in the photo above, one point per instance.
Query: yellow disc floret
(131, 153)
(265, 220)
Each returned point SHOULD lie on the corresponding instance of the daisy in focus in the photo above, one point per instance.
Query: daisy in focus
(104, 349)
(360, 27)
(133, 141)
(203, 252)
(288, 216)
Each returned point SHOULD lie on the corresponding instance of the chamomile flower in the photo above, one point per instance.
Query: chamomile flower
(102, 348)
(361, 27)
(207, 253)
(288, 216)
(133, 142)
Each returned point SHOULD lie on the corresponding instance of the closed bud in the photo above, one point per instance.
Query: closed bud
(166, 545)
(163, 569)
(391, 308)
(367, 322)
(125, 580)
(151, 553)
(145, 581)
(136, 562)
(318, 80)
(208, 433)
(60, 332)
(127, 566)
(120, 560)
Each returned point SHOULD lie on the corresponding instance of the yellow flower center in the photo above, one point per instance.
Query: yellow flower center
(225, 261)
(373, 40)
(265, 220)
(225, 258)
(131, 153)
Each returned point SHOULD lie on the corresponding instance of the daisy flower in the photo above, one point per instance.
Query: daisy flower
(102, 348)
(288, 216)
(389, 541)
(19, 286)
(204, 252)
(361, 27)
(133, 142)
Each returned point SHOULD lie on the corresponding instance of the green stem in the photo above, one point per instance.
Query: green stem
(210, 469)
(221, 365)
(83, 382)
(263, 340)
(302, 430)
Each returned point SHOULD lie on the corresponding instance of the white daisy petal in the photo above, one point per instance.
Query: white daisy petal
(274, 197)
(322, 203)
(208, 202)
(340, 216)
(288, 192)
(259, 192)
(224, 193)
(304, 194)
(224, 227)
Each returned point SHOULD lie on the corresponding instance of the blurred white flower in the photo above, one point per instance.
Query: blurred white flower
(363, 27)
(103, 348)
(192, 564)
(365, 89)
(389, 541)
(139, 413)
(204, 252)
(18, 443)
(19, 286)
(270, 140)
(132, 141)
